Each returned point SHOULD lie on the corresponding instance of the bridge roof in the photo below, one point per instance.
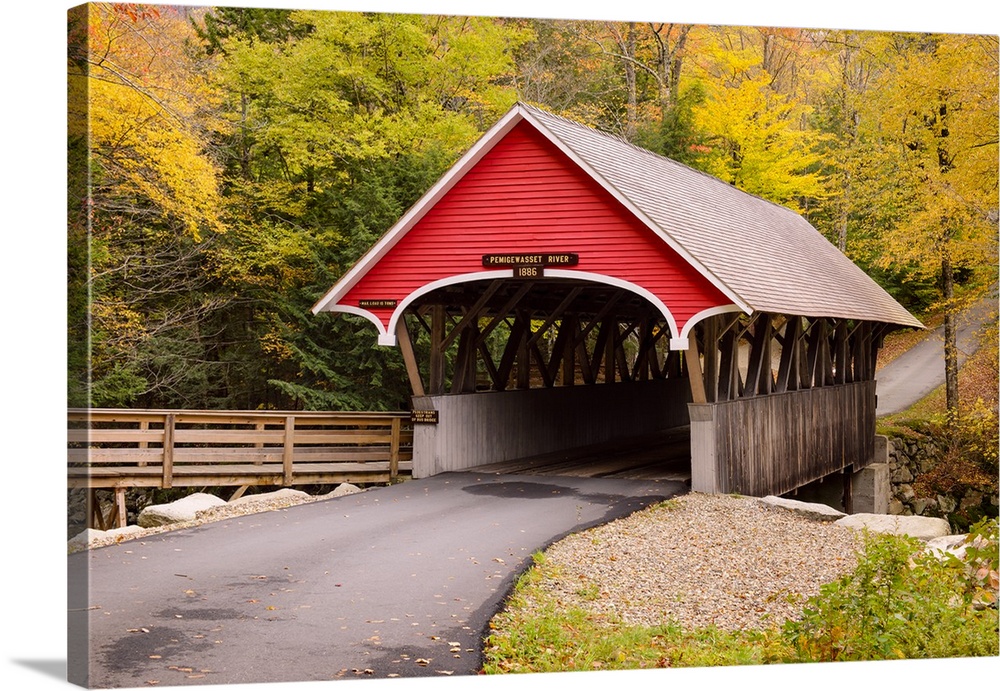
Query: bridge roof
(755, 255)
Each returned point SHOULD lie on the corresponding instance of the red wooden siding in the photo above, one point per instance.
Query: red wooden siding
(525, 195)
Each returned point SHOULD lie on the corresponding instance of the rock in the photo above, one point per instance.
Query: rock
(920, 505)
(344, 489)
(816, 512)
(972, 498)
(949, 544)
(185, 509)
(895, 507)
(284, 493)
(947, 503)
(83, 540)
(920, 527)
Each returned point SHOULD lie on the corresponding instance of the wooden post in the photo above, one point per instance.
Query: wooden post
(259, 445)
(144, 426)
(437, 351)
(121, 513)
(611, 327)
(406, 348)
(96, 518)
(693, 363)
(168, 450)
(397, 425)
(849, 489)
(288, 451)
(524, 352)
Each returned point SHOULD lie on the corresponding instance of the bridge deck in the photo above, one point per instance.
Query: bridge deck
(664, 455)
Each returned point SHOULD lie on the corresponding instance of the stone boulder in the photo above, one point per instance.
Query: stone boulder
(281, 494)
(178, 511)
(344, 489)
(815, 512)
(921, 527)
(83, 540)
(949, 544)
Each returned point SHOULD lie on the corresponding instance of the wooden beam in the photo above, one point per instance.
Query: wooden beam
(437, 374)
(524, 353)
(288, 450)
(543, 369)
(765, 381)
(693, 362)
(168, 450)
(505, 310)
(711, 361)
(507, 359)
(556, 314)
(121, 513)
(409, 358)
(395, 437)
(471, 314)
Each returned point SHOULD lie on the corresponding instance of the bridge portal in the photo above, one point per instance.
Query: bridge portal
(561, 288)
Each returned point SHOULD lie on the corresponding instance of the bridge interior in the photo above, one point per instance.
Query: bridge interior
(663, 455)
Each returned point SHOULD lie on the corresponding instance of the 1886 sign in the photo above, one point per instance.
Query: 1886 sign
(530, 265)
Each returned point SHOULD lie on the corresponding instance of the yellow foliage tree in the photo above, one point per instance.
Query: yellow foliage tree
(146, 106)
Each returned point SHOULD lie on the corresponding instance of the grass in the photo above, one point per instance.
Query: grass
(537, 633)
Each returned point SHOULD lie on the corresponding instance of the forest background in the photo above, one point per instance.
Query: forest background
(234, 162)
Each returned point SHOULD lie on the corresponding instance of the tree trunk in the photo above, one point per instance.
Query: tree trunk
(950, 340)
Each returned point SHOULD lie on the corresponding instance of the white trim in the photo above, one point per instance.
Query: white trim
(471, 157)
(618, 283)
(549, 273)
(362, 313)
(710, 312)
(441, 283)
(638, 213)
(679, 344)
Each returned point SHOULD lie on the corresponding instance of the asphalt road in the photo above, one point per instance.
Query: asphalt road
(398, 580)
(920, 370)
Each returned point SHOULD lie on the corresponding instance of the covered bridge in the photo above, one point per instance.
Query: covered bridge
(560, 287)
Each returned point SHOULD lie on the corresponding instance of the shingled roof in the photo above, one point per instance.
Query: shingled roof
(762, 256)
(768, 255)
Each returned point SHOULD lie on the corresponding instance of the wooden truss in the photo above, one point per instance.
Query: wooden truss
(744, 356)
(507, 334)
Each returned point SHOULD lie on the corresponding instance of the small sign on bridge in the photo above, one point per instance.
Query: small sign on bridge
(530, 264)
(424, 417)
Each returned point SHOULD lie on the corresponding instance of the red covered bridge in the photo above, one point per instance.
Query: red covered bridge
(560, 288)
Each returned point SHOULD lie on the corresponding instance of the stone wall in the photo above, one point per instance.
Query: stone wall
(908, 459)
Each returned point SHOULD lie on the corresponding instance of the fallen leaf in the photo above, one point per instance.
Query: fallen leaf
(423, 662)
(445, 671)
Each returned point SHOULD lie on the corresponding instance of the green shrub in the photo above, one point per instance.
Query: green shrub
(904, 603)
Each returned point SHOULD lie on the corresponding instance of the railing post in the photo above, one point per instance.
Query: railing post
(397, 424)
(168, 450)
(289, 447)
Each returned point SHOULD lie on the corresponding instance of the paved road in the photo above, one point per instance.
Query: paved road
(920, 370)
(398, 580)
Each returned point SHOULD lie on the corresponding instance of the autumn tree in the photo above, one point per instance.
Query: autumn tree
(939, 112)
(150, 197)
(754, 136)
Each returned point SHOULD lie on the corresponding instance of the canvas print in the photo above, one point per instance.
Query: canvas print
(420, 346)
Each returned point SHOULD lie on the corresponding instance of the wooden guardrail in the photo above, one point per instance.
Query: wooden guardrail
(117, 449)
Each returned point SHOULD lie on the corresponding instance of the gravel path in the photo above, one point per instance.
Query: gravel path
(702, 559)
